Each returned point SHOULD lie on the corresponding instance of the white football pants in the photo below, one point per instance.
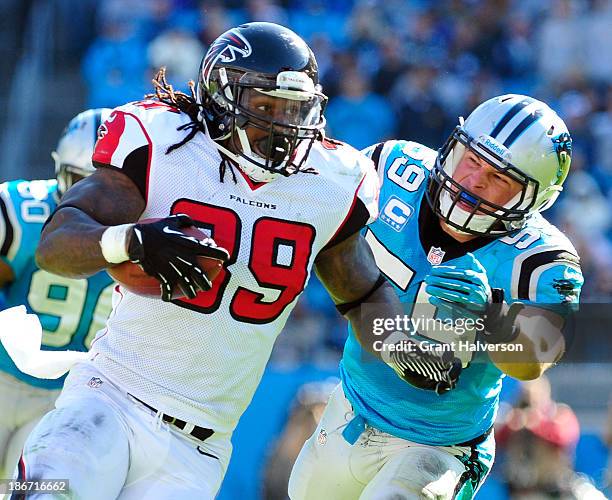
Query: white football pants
(22, 407)
(109, 446)
(378, 466)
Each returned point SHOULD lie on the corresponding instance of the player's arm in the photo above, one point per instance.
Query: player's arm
(350, 274)
(70, 242)
(539, 315)
(6, 274)
(539, 343)
(533, 334)
(95, 225)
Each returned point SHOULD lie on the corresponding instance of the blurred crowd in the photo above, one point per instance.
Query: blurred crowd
(408, 69)
(401, 69)
(405, 69)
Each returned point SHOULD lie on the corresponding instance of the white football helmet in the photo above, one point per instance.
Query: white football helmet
(521, 137)
(75, 147)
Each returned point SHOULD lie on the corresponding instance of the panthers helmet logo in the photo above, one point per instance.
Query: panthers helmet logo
(562, 144)
(226, 48)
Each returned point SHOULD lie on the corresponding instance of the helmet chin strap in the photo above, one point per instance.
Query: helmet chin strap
(254, 172)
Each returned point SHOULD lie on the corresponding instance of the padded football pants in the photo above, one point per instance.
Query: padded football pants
(110, 446)
(22, 407)
(380, 466)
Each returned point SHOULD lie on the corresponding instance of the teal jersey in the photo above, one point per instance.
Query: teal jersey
(537, 264)
(71, 311)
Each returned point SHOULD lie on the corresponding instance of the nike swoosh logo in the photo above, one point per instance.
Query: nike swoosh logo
(167, 230)
(202, 452)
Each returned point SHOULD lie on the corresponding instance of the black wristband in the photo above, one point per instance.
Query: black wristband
(346, 307)
(499, 327)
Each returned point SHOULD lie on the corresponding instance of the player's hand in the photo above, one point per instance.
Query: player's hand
(431, 370)
(461, 288)
(166, 253)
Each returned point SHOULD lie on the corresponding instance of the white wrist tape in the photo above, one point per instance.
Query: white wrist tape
(114, 243)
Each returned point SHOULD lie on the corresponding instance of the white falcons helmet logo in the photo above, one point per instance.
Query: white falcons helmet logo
(227, 48)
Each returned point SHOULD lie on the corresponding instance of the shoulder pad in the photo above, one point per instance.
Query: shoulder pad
(542, 263)
(385, 153)
(348, 169)
(24, 207)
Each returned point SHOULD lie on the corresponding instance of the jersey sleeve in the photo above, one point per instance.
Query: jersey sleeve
(547, 275)
(9, 228)
(560, 283)
(364, 206)
(125, 144)
(24, 207)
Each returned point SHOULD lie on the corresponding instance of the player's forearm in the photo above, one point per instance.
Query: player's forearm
(538, 346)
(383, 303)
(349, 273)
(70, 245)
(521, 362)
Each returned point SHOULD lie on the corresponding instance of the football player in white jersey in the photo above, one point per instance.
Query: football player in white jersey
(244, 158)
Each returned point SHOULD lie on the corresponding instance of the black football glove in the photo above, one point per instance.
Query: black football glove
(166, 253)
(429, 370)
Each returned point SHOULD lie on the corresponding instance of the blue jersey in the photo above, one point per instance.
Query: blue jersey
(536, 264)
(71, 311)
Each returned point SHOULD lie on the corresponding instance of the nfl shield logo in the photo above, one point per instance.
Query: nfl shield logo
(94, 382)
(435, 256)
(322, 438)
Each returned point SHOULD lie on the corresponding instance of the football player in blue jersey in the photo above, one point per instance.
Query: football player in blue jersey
(461, 237)
(71, 311)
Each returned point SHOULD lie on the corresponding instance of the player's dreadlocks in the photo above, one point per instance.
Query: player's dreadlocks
(164, 92)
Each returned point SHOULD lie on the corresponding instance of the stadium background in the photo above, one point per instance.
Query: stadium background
(392, 69)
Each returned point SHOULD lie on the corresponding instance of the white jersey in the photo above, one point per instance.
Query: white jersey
(201, 360)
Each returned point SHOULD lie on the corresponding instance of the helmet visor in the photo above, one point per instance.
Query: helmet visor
(282, 107)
